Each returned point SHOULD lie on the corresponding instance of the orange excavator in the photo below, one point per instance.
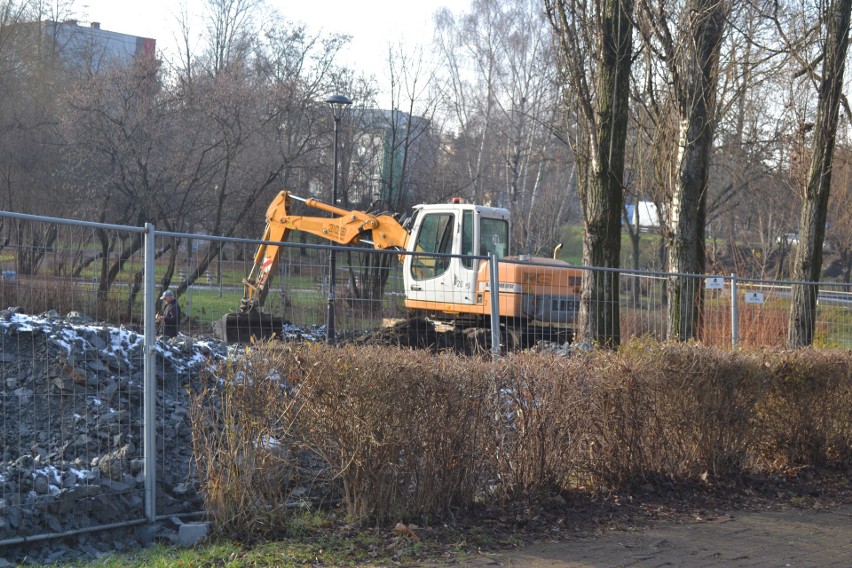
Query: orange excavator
(443, 278)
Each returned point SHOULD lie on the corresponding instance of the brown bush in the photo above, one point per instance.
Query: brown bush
(806, 417)
(676, 410)
(542, 429)
(758, 325)
(404, 430)
(408, 434)
(246, 446)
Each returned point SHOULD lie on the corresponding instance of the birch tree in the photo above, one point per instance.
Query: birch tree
(689, 49)
(501, 94)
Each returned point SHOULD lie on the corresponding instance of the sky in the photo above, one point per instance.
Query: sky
(373, 24)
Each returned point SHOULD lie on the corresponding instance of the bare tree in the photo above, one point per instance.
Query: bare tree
(118, 127)
(31, 73)
(269, 126)
(395, 153)
(407, 129)
(807, 266)
(839, 236)
(12, 50)
(464, 44)
(594, 56)
(528, 113)
(231, 26)
(11, 14)
(208, 152)
(501, 97)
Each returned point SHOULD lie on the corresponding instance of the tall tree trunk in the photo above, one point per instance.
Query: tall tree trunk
(602, 118)
(807, 266)
(695, 79)
(602, 242)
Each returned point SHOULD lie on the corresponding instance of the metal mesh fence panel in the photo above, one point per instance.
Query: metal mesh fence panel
(539, 301)
(71, 384)
(368, 288)
(834, 316)
(764, 313)
(369, 294)
(643, 297)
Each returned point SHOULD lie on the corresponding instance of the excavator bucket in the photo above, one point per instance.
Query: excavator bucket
(245, 327)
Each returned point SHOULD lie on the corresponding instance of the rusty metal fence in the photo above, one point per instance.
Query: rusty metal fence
(95, 422)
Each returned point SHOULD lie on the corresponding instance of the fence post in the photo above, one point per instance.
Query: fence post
(150, 372)
(734, 312)
(494, 283)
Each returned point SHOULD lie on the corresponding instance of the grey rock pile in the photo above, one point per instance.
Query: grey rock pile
(71, 439)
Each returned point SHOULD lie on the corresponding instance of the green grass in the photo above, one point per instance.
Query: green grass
(218, 554)
(313, 540)
(308, 303)
(571, 238)
(360, 551)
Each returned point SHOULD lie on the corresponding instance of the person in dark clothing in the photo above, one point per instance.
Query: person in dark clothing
(169, 316)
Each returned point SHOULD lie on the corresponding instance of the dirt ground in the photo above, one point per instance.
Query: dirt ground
(791, 537)
(758, 522)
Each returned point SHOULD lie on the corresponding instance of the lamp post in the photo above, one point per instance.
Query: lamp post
(338, 104)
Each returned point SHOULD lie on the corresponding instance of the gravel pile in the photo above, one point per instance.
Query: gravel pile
(71, 452)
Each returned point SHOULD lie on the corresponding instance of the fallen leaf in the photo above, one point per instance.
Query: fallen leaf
(402, 529)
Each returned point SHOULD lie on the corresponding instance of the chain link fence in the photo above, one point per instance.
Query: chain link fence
(95, 421)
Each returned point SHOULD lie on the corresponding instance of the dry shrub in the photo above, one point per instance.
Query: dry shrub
(642, 322)
(762, 325)
(672, 410)
(806, 417)
(402, 428)
(244, 442)
(407, 433)
(541, 434)
(758, 325)
(680, 410)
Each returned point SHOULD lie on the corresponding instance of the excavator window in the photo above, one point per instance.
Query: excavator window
(467, 239)
(494, 237)
(436, 235)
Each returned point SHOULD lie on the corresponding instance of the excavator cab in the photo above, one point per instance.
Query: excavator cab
(433, 278)
(451, 283)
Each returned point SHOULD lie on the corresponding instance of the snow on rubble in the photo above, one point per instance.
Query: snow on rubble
(76, 332)
(71, 398)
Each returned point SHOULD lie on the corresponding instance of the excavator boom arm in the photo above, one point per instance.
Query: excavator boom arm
(346, 227)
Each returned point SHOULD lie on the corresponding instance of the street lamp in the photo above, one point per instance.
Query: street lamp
(338, 104)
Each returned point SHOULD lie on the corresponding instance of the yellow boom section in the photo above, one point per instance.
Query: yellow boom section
(345, 227)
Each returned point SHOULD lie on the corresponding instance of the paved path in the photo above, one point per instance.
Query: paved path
(792, 537)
